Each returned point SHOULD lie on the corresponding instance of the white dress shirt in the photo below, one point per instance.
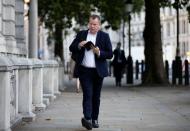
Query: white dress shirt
(89, 57)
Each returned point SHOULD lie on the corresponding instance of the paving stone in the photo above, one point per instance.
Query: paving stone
(122, 109)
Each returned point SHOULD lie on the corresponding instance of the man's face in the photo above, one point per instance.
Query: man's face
(94, 25)
(118, 45)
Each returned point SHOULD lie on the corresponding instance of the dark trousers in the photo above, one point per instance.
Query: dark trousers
(118, 68)
(91, 84)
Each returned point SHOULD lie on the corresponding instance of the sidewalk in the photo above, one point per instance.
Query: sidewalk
(122, 109)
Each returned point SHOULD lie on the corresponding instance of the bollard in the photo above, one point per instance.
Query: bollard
(167, 69)
(180, 72)
(173, 72)
(179, 69)
(142, 69)
(186, 72)
(129, 70)
(137, 70)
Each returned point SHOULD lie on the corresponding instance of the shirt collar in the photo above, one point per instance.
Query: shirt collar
(91, 33)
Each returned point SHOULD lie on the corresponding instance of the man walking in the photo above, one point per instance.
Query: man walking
(119, 62)
(90, 50)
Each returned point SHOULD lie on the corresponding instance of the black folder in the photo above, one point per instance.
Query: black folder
(88, 45)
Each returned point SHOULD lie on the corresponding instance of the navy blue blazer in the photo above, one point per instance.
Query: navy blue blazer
(105, 46)
(118, 54)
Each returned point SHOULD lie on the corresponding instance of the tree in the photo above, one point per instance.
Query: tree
(154, 66)
(154, 69)
(113, 12)
(154, 72)
(57, 16)
(53, 21)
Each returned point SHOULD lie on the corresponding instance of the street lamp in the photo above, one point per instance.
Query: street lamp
(129, 8)
(176, 6)
(178, 63)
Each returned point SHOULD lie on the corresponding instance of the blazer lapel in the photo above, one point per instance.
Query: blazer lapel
(97, 38)
(84, 36)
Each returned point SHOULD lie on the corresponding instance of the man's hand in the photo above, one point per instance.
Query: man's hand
(82, 43)
(96, 50)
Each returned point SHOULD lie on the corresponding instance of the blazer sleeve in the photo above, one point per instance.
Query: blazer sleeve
(106, 53)
(74, 45)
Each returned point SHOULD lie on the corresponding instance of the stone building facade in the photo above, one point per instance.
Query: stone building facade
(24, 83)
(168, 34)
(11, 28)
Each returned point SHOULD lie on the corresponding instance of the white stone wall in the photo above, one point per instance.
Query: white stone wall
(2, 39)
(20, 92)
(19, 19)
(9, 25)
(5, 93)
(12, 27)
(5, 100)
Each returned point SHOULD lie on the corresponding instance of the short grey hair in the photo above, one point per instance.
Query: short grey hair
(94, 16)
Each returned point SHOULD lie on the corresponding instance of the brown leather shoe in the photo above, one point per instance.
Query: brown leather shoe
(86, 123)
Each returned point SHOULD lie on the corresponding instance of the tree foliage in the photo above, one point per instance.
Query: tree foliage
(62, 11)
(59, 15)
(113, 11)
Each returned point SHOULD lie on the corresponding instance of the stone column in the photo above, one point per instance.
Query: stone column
(48, 80)
(25, 89)
(5, 73)
(2, 39)
(15, 116)
(19, 17)
(37, 84)
(61, 77)
(9, 25)
(33, 29)
(56, 78)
